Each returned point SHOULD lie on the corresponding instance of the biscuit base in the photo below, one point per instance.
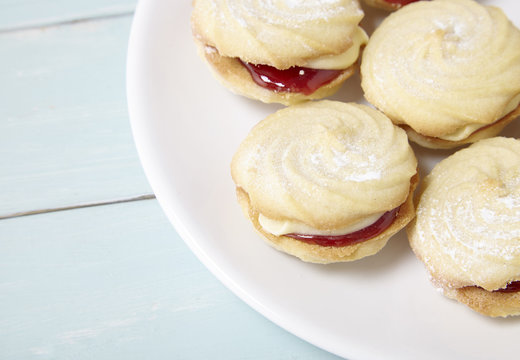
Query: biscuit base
(485, 132)
(331, 254)
(494, 304)
(233, 75)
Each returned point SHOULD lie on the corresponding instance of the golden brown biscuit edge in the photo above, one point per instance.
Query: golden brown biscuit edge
(487, 131)
(234, 76)
(488, 303)
(330, 254)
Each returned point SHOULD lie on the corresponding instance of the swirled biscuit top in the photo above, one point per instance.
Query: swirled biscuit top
(280, 33)
(467, 229)
(445, 67)
(326, 164)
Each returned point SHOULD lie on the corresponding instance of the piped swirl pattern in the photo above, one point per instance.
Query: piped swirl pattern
(467, 229)
(326, 164)
(280, 33)
(444, 67)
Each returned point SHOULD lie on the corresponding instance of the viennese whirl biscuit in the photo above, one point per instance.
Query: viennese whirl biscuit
(279, 51)
(326, 181)
(467, 228)
(448, 71)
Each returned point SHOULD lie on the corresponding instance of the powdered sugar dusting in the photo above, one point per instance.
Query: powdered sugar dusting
(298, 3)
(328, 159)
(468, 218)
(422, 58)
(510, 201)
(210, 50)
(358, 166)
(291, 13)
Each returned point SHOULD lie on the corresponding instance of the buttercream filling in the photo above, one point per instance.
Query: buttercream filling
(343, 60)
(316, 73)
(307, 79)
(462, 133)
(283, 227)
(467, 130)
(352, 238)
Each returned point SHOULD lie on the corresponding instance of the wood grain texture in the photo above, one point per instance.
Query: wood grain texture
(65, 136)
(101, 282)
(116, 282)
(17, 14)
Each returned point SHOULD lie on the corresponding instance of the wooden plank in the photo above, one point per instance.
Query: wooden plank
(116, 282)
(65, 136)
(31, 13)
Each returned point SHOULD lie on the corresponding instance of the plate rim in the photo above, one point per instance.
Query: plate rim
(188, 237)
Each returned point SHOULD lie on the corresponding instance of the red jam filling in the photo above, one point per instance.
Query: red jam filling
(400, 2)
(511, 287)
(353, 238)
(295, 79)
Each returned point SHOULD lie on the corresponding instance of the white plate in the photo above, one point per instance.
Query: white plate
(187, 128)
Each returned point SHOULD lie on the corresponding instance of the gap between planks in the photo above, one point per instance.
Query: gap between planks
(50, 24)
(80, 206)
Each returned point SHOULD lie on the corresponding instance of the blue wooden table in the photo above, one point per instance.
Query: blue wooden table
(89, 266)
